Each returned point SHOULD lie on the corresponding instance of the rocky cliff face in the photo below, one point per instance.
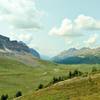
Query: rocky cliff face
(14, 46)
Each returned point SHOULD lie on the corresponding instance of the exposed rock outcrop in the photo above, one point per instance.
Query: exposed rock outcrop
(14, 46)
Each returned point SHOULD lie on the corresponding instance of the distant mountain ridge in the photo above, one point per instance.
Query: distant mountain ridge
(8, 46)
(78, 56)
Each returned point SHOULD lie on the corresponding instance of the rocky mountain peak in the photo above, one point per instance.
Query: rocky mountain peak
(7, 45)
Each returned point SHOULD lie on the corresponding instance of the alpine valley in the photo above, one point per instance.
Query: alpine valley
(72, 75)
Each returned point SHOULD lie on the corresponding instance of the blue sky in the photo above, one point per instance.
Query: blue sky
(51, 26)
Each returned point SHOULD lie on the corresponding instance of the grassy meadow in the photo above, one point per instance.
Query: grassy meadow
(17, 76)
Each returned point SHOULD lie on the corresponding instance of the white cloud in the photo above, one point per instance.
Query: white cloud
(66, 29)
(20, 14)
(87, 23)
(92, 40)
(20, 37)
(74, 28)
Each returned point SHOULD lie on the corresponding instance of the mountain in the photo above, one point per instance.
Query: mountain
(34, 52)
(78, 56)
(13, 47)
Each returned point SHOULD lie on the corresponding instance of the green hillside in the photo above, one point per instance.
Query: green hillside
(16, 76)
(81, 88)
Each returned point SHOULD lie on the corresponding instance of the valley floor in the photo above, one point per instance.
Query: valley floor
(17, 76)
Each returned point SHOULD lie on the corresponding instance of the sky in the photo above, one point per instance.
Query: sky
(51, 26)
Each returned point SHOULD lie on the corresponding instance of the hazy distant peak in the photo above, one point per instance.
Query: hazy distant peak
(72, 49)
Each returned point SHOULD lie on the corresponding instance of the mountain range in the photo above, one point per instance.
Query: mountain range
(71, 56)
(78, 56)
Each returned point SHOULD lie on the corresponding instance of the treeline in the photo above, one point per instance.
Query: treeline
(5, 96)
(71, 74)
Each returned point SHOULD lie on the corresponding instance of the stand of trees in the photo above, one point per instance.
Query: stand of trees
(70, 75)
(18, 94)
(40, 86)
(73, 74)
(5, 97)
